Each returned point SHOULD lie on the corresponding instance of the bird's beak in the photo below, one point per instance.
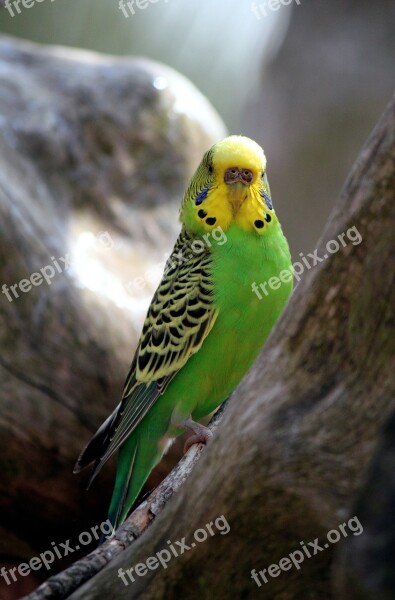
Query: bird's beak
(237, 181)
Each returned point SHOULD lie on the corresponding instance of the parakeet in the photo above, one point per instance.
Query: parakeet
(205, 325)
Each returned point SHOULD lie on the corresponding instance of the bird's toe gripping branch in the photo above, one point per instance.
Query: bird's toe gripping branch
(201, 434)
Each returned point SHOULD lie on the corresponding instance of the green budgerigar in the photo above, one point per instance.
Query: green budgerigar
(206, 323)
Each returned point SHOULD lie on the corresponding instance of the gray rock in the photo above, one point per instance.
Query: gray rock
(95, 154)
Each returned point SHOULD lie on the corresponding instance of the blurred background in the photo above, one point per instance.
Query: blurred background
(307, 80)
(107, 145)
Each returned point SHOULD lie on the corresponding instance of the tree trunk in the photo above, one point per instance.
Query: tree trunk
(364, 569)
(299, 432)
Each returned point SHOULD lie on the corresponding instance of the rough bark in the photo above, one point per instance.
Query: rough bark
(298, 435)
(62, 585)
(364, 569)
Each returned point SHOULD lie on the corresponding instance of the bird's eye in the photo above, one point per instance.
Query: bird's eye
(263, 174)
(210, 169)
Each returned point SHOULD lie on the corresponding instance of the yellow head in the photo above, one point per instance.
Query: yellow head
(230, 186)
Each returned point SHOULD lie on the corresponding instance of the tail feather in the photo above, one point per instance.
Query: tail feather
(94, 449)
(136, 460)
(124, 474)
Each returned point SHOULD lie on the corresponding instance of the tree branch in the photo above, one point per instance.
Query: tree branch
(62, 585)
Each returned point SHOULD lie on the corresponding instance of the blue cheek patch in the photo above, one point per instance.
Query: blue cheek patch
(202, 196)
(267, 200)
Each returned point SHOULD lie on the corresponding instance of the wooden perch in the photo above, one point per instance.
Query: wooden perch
(299, 431)
(63, 584)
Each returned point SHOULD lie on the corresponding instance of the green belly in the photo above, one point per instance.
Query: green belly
(242, 326)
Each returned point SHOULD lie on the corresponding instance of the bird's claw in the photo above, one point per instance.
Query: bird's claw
(201, 434)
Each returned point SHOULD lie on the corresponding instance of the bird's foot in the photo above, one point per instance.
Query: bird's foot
(201, 434)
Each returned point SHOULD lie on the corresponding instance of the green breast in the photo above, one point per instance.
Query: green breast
(246, 258)
(245, 320)
(243, 324)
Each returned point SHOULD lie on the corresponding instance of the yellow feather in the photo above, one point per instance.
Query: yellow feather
(236, 204)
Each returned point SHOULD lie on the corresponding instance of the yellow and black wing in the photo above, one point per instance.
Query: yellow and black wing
(180, 316)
